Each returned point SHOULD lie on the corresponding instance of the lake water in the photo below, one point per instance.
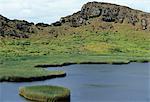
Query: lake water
(94, 83)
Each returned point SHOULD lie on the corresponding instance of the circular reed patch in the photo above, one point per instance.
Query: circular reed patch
(45, 93)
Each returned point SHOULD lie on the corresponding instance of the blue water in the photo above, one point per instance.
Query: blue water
(94, 83)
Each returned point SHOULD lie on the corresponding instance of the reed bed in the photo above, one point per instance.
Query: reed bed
(45, 93)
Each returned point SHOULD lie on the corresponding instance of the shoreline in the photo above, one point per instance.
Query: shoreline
(73, 63)
(45, 77)
(31, 79)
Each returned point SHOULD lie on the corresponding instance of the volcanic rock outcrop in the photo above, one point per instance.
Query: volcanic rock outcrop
(108, 13)
(104, 12)
(15, 28)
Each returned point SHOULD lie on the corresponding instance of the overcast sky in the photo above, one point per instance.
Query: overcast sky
(49, 11)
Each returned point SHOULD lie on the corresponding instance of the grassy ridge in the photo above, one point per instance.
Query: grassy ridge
(45, 93)
(123, 43)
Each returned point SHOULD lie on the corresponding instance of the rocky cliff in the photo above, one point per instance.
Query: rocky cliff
(96, 11)
(107, 12)
(19, 28)
(15, 28)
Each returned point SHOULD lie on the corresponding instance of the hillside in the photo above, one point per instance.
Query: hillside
(100, 32)
(106, 12)
(92, 13)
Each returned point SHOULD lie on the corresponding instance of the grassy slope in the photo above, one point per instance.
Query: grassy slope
(82, 44)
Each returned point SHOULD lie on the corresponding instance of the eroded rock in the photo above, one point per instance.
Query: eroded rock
(144, 24)
(58, 23)
(42, 25)
(107, 13)
(133, 19)
(15, 28)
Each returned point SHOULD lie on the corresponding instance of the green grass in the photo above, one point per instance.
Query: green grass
(45, 93)
(123, 43)
(27, 74)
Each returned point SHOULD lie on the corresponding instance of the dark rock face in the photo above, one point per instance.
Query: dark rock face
(90, 12)
(103, 12)
(75, 22)
(15, 28)
(42, 25)
(23, 26)
(108, 13)
(58, 23)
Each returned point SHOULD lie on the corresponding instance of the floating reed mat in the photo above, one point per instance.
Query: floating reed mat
(45, 93)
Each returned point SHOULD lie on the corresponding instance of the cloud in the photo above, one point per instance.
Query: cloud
(49, 11)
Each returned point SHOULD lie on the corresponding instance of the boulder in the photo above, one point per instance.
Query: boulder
(133, 19)
(42, 25)
(22, 27)
(120, 18)
(74, 22)
(144, 24)
(106, 12)
(108, 15)
(94, 12)
(108, 19)
(58, 23)
(62, 20)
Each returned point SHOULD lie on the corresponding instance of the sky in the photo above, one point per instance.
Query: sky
(48, 11)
